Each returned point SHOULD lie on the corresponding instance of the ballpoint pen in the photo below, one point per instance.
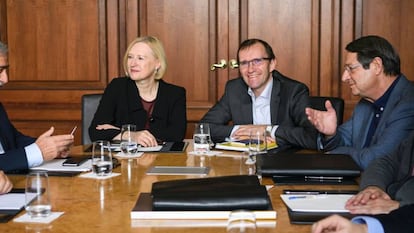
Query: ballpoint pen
(297, 197)
(302, 192)
(313, 196)
(316, 192)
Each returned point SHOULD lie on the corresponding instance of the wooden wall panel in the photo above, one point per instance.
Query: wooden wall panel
(395, 24)
(57, 53)
(287, 26)
(186, 39)
(53, 43)
(187, 30)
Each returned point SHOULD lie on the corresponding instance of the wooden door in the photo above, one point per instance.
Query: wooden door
(196, 35)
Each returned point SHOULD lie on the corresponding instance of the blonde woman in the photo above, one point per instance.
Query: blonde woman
(142, 98)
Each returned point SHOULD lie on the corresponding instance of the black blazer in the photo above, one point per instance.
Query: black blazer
(121, 104)
(13, 143)
(287, 107)
(399, 220)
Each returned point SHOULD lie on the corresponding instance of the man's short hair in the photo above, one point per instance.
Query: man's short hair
(250, 42)
(370, 47)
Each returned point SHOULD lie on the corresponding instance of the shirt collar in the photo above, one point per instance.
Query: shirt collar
(382, 101)
(266, 93)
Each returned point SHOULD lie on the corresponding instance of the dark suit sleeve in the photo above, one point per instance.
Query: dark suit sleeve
(13, 143)
(106, 113)
(391, 172)
(234, 99)
(294, 127)
(399, 220)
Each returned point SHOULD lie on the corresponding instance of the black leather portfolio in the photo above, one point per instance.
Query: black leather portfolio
(304, 168)
(212, 193)
(301, 217)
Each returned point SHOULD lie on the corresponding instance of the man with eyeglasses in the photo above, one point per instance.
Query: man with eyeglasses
(385, 114)
(18, 151)
(262, 99)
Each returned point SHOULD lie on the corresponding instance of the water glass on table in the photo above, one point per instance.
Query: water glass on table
(128, 145)
(101, 158)
(201, 138)
(257, 145)
(37, 194)
(241, 221)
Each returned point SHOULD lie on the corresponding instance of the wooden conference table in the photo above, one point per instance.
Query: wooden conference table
(91, 205)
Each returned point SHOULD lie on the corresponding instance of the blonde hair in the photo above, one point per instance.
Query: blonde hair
(157, 49)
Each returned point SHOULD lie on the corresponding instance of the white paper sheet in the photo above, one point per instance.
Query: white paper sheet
(56, 165)
(13, 201)
(317, 203)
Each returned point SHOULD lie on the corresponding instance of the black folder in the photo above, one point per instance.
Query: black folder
(212, 193)
(298, 217)
(306, 168)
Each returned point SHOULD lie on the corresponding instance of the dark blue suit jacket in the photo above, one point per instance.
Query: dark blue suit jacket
(399, 220)
(396, 122)
(13, 143)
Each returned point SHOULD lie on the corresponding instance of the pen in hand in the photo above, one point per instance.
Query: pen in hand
(73, 130)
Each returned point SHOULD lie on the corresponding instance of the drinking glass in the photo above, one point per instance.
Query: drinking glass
(101, 158)
(201, 138)
(257, 142)
(241, 221)
(257, 145)
(128, 145)
(37, 194)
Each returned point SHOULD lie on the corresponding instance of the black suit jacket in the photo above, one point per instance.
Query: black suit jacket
(399, 220)
(13, 143)
(287, 106)
(121, 104)
(394, 173)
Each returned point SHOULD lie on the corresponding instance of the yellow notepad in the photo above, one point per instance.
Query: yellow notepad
(242, 145)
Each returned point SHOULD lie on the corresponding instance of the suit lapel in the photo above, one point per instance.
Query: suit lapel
(393, 100)
(362, 123)
(274, 100)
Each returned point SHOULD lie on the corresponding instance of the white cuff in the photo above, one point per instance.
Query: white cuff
(33, 155)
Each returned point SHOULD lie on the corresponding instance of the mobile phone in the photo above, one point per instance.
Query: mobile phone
(74, 161)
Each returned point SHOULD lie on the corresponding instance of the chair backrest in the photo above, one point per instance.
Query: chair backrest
(318, 102)
(90, 103)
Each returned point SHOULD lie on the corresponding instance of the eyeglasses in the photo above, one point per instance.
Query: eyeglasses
(2, 68)
(254, 62)
(350, 68)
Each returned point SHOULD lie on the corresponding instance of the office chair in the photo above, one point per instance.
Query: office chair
(90, 103)
(318, 102)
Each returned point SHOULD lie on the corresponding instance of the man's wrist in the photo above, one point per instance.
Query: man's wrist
(268, 129)
(271, 130)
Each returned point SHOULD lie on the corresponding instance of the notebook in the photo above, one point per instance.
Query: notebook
(303, 168)
(11, 204)
(309, 206)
